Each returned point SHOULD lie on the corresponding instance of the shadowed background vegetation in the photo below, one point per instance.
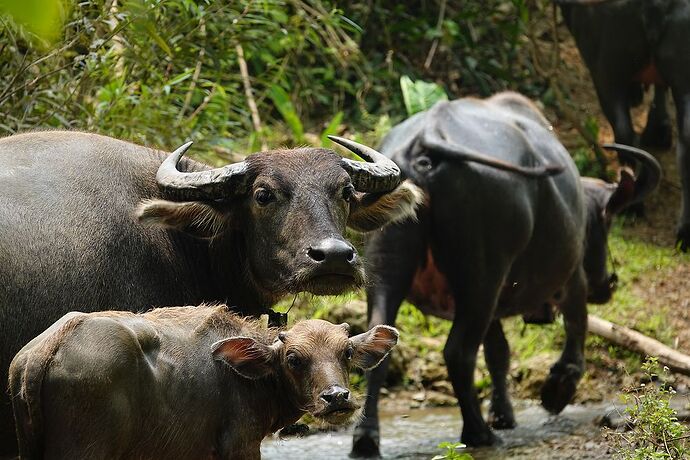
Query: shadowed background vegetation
(160, 72)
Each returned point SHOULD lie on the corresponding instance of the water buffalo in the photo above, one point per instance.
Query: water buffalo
(180, 382)
(496, 240)
(630, 43)
(91, 223)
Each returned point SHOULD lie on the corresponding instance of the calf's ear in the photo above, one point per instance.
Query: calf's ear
(371, 211)
(372, 346)
(245, 356)
(194, 217)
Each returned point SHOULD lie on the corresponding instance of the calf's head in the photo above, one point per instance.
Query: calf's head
(311, 362)
(603, 201)
(290, 209)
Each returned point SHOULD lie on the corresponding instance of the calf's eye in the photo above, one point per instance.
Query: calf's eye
(294, 361)
(349, 353)
(264, 196)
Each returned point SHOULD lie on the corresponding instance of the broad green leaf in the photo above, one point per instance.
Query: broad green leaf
(284, 105)
(331, 129)
(420, 95)
(42, 18)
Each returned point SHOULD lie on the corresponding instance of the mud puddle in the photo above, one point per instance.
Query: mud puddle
(416, 433)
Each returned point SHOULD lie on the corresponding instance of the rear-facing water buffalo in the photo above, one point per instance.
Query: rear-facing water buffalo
(630, 43)
(181, 382)
(93, 223)
(514, 235)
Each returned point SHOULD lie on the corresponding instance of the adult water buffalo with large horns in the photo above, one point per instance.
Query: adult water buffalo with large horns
(630, 43)
(514, 233)
(90, 223)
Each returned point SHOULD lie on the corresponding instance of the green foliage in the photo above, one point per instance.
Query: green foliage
(420, 95)
(331, 128)
(163, 71)
(42, 19)
(656, 432)
(160, 72)
(282, 101)
(584, 158)
(450, 452)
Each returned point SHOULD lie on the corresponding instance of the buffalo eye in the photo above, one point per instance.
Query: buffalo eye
(264, 196)
(294, 362)
(348, 192)
(349, 352)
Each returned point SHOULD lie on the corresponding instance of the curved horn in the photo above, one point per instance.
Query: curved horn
(378, 175)
(650, 174)
(456, 152)
(212, 184)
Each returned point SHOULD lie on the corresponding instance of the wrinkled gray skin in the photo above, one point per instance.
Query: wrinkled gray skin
(182, 382)
(504, 244)
(84, 226)
(618, 40)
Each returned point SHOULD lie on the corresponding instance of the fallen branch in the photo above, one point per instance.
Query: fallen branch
(640, 343)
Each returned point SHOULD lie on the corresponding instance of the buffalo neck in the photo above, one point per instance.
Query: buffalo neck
(219, 272)
(266, 407)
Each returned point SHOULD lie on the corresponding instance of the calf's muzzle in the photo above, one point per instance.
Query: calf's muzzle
(335, 394)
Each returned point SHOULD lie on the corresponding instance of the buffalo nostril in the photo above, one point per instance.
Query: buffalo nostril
(332, 251)
(316, 254)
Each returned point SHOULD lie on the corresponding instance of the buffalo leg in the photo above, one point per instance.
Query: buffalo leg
(560, 385)
(616, 108)
(497, 354)
(366, 438)
(469, 328)
(682, 100)
(658, 133)
(404, 244)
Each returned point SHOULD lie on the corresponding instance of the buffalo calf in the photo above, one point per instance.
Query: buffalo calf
(183, 382)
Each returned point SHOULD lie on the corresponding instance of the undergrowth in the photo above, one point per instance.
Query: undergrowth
(655, 431)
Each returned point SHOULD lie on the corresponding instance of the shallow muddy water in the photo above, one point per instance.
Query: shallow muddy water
(415, 434)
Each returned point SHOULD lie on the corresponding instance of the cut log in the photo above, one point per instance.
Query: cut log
(640, 343)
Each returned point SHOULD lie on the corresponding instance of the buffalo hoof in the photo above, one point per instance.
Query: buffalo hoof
(502, 420)
(559, 388)
(485, 437)
(657, 135)
(365, 443)
(683, 238)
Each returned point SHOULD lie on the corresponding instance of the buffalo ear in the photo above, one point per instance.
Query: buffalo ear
(193, 217)
(623, 195)
(371, 211)
(373, 346)
(246, 356)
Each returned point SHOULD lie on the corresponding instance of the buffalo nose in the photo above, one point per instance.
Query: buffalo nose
(335, 394)
(332, 250)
